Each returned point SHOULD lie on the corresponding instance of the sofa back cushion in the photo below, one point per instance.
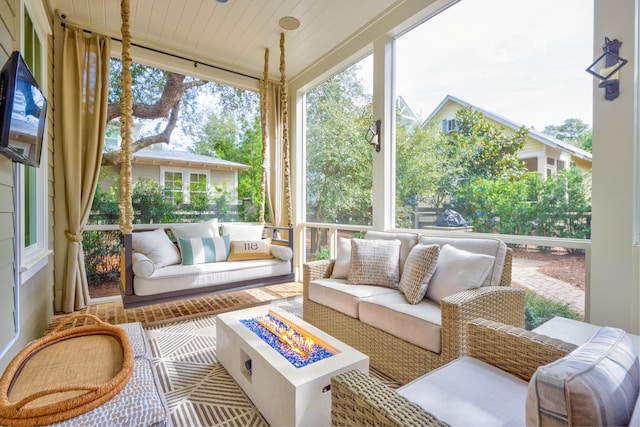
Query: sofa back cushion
(494, 247)
(374, 262)
(596, 384)
(407, 242)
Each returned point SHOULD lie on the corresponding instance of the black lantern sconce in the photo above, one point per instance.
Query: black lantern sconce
(374, 134)
(607, 66)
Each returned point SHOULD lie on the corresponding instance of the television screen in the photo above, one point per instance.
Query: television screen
(23, 111)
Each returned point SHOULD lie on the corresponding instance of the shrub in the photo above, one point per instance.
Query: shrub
(539, 310)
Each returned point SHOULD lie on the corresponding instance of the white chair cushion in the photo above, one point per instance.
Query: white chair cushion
(419, 324)
(493, 247)
(596, 384)
(469, 392)
(342, 296)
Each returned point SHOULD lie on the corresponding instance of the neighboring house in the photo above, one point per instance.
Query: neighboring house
(541, 153)
(183, 173)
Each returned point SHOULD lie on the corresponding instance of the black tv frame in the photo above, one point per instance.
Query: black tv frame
(21, 139)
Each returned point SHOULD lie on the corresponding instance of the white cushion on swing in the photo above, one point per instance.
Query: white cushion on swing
(157, 246)
(197, 229)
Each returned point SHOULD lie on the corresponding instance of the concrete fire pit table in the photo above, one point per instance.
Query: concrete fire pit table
(284, 394)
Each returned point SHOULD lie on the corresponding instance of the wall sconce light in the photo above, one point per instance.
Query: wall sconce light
(372, 133)
(607, 65)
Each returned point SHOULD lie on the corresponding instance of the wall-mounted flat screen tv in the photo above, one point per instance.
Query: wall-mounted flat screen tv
(23, 112)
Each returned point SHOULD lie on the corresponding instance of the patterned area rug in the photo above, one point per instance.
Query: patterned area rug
(198, 390)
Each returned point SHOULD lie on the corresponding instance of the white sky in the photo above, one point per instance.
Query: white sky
(522, 59)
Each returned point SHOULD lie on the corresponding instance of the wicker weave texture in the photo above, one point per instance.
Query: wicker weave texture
(514, 350)
(58, 391)
(359, 400)
(397, 358)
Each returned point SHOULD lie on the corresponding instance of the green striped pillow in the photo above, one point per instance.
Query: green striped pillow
(202, 250)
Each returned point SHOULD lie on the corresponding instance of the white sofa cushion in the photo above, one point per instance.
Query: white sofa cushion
(487, 246)
(184, 277)
(157, 246)
(407, 242)
(142, 265)
(468, 391)
(374, 262)
(419, 324)
(457, 271)
(343, 259)
(418, 269)
(342, 296)
(243, 231)
(208, 228)
(596, 384)
(283, 253)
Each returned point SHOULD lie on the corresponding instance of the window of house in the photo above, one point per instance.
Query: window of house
(448, 125)
(197, 188)
(33, 181)
(173, 187)
(561, 165)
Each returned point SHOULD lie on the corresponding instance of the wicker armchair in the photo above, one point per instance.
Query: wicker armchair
(357, 399)
(400, 359)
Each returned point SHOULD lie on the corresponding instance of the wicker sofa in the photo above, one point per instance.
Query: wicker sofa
(391, 353)
(509, 377)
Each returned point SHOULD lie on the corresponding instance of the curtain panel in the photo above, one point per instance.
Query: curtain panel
(275, 174)
(85, 85)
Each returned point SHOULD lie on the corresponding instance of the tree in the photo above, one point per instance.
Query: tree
(482, 149)
(573, 131)
(233, 132)
(339, 168)
(157, 94)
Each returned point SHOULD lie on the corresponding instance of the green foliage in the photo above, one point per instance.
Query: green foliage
(484, 150)
(148, 200)
(339, 160)
(574, 131)
(233, 132)
(101, 255)
(323, 253)
(559, 206)
(539, 310)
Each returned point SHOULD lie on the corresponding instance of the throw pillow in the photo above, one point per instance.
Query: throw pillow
(157, 246)
(418, 270)
(142, 265)
(250, 249)
(198, 229)
(241, 231)
(343, 259)
(458, 270)
(202, 250)
(374, 262)
(283, 253)
(596, 384)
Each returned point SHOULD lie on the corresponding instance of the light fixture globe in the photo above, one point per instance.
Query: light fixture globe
(289, 23)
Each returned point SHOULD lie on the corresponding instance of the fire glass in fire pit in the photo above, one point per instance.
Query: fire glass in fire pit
(291, 341)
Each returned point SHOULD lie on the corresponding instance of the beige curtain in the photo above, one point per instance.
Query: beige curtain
(275, 173)
(85, 84)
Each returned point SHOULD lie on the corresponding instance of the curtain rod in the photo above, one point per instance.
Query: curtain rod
(173, 55)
